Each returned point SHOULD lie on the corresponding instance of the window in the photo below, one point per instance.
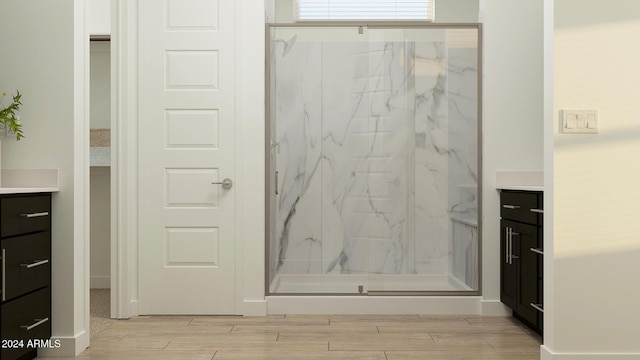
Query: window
(365, 10)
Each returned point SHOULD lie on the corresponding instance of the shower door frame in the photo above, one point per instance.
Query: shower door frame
(269, 183)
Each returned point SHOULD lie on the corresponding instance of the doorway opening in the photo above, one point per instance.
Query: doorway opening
(100, 183)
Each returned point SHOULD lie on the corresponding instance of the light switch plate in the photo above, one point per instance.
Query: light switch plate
(579, 121)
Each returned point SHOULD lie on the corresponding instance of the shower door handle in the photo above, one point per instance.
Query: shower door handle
(226, 183)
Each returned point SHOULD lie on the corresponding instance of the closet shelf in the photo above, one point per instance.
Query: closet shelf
(100, 156)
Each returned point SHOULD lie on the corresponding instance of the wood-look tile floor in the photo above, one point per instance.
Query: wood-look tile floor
(332, 337)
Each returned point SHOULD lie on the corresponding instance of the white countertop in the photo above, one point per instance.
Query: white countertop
(520, 180)
(25, 181)
(523, 188)
(27, 190)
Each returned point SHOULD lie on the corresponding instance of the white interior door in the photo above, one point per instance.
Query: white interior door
(186, 143)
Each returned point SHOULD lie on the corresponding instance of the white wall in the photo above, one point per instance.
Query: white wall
(250, 158)
(447, 11)
(270, 10)
(594, 313)
(100, 262)
(43, 55)
(457, 11)
(512, 117)
(100, 79)
(99, 17)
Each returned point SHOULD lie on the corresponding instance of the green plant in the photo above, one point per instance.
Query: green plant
(10, 121)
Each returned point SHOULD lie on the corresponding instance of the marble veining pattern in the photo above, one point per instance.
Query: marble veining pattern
(374, 146)
(464, 256)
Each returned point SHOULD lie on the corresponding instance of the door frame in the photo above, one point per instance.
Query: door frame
(249, 149)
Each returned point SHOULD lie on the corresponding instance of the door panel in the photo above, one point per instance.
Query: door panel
(186, 144)
(528, 273)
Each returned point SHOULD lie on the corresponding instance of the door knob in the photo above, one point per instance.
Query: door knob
(226, 183)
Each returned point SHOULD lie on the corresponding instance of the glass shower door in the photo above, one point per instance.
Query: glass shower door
(373, 155)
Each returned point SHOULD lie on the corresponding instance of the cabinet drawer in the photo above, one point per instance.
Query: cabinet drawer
(28, 317)
(26, 263)
(24, 214)
(518, 206)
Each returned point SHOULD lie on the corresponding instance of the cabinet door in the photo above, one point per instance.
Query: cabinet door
(540, 282)
(28, 317)
(525, 238)
(508, 265)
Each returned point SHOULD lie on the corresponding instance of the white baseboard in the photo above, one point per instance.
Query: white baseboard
(254, 308)
(100, 282)
(495, 308)
(547, 354)
(66, 346)
(134, 308)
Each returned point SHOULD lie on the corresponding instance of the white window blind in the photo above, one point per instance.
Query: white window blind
(365, 10)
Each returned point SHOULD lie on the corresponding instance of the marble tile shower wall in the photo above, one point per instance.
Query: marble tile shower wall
(464, 255)
(463, 163)
(363, 147)
(463, 136)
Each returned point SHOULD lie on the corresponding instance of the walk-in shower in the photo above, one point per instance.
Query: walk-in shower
(373, 158)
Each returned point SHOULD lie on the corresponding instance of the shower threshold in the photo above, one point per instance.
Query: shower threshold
(349, 283)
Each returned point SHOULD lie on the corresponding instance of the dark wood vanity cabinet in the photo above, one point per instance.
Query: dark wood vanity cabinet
(25, 233)
(521, 250)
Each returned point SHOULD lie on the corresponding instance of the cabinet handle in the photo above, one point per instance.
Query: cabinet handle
(37, 323)
(4, 286)
(510, 246)
(512, 207)
(539, 211)
(35, 215)
(34, 264)
(537, 307)
(511, 256)
(506, 245)
(276, 181)
(537, 251)
(511, 235)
